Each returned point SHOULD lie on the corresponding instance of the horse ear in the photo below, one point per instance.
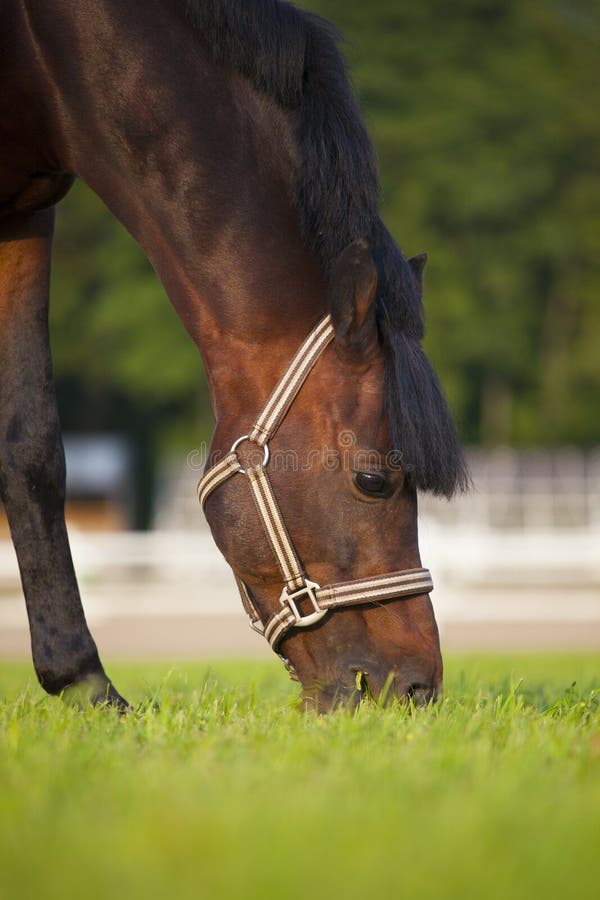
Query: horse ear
(417, 264)
(352, 302)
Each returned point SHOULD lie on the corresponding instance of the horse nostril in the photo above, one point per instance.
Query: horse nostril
(383, 689)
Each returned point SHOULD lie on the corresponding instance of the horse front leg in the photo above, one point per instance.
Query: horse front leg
(32, 467)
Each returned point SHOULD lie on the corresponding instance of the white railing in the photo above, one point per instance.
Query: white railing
(475, 570)
(499, 554)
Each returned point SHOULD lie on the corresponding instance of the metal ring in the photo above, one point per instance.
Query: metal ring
(309, 589)
(246, 437)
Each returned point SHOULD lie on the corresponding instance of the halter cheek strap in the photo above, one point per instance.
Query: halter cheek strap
(302, 602)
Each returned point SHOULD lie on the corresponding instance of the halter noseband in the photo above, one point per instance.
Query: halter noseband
(297, 587)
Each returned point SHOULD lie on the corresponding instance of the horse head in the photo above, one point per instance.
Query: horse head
(345, 498)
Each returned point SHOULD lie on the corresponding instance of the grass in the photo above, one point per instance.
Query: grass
(219, 787)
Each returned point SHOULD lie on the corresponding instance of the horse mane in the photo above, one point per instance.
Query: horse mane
(293, 57)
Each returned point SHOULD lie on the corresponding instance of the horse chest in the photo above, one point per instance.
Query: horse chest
(30, 193)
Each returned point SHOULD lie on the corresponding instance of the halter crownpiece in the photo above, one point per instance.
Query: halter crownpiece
(297, 589)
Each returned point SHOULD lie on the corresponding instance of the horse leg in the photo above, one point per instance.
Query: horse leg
(32, 467)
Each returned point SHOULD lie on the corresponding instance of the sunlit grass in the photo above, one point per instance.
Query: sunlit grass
(218, 786)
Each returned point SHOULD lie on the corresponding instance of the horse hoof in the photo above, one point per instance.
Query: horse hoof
(95, 690)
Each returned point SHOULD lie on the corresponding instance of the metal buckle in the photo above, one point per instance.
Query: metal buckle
(246, 437)
(309, 590)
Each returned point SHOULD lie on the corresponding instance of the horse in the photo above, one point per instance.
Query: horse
(225, 136)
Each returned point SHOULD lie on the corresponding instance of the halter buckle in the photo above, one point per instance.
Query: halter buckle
(309, 589)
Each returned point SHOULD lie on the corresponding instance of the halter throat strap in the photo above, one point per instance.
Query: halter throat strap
(303, 602)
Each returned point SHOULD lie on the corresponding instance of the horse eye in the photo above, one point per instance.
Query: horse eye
(370, 482)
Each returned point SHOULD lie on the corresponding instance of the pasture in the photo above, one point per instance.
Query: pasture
(218, 786)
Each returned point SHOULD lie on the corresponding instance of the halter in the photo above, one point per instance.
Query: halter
(298, 589)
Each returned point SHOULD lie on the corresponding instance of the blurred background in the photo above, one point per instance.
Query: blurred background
(485, 118)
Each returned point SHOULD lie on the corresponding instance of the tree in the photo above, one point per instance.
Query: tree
(484, 115)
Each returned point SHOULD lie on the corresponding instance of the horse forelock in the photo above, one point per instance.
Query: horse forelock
(294, 57)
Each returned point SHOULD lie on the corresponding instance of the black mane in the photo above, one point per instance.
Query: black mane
(293, 57)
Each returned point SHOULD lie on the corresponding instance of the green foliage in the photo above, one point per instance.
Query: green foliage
(484, 115)
(217, 786)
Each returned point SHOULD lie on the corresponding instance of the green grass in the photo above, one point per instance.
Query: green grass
(219, 787)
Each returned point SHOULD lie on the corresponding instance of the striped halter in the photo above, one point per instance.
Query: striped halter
(298, 589)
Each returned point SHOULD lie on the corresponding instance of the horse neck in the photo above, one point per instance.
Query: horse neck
(200, 170)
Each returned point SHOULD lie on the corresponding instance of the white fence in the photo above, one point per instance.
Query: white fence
(513, 564)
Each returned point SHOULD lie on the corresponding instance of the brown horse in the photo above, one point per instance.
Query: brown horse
(224, 136)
